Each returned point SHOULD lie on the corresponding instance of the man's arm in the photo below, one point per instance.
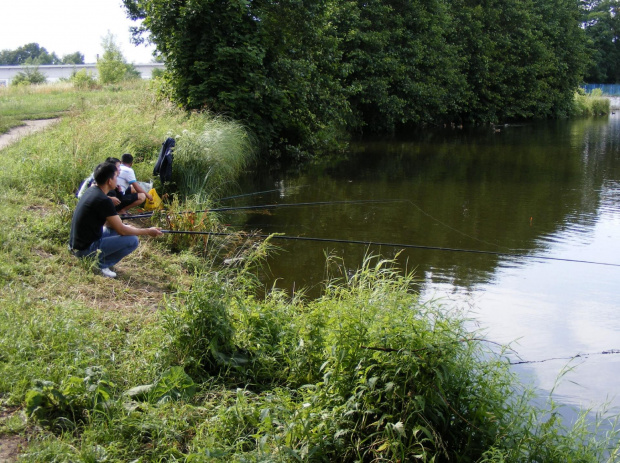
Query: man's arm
(115, 223)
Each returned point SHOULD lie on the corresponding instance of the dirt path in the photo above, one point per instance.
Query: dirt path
(30, 127)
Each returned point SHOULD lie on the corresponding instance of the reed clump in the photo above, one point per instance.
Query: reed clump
(590, 104)
(209, 156)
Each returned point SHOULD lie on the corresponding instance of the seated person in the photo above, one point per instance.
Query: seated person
(133, 193)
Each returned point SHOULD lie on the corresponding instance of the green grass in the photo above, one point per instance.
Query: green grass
(178, 360)
(28, 102)
(591, 104)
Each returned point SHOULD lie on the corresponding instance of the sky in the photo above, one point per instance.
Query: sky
(67, 26)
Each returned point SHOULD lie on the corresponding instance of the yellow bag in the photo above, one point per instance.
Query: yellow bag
(155, 204)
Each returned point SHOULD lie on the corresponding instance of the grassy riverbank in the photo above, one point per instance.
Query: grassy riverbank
(177, 360)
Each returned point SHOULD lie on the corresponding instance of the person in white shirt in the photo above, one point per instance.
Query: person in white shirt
(128, 183)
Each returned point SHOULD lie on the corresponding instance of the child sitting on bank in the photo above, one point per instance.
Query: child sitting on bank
(129, 185)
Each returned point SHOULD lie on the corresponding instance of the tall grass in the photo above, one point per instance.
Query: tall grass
(209, 156)
(592, 104)
(211, 151)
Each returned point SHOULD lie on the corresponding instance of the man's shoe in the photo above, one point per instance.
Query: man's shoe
(106, 272)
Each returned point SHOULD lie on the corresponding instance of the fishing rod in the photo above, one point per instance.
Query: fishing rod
(394, 245)
(271, 206)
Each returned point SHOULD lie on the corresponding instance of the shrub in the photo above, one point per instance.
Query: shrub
(30, 76)
(592, 104)
(83, 79)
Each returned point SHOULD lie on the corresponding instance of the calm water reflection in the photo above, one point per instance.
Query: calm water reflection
(546, 190)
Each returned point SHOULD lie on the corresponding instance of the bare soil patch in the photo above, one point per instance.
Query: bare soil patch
(11, 445)
(29, 127)
(10, 448)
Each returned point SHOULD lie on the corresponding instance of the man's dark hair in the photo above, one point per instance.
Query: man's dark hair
(112, 160)
(104, 172)
(127, 158)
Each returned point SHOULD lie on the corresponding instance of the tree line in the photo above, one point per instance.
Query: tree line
(112, 67)
(34, 54)
(300, 73)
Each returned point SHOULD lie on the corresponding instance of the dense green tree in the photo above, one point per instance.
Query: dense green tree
(31, 51)
(601, 22)
(34, 53)
(73, 58)
(273, 65)
(111, 66)
(524, 59)
(402, 70)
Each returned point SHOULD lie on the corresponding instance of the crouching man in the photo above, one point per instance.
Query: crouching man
(94, 210)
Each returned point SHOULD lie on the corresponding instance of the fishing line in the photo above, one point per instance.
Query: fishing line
(452, 228)
(605, 352)
(395, 245)
(319, 203)
(261, 192)
(248, 194)
(271, 206)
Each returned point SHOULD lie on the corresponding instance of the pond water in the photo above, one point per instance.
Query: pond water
(537, 197)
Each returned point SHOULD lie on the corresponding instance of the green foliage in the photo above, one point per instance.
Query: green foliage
(402, 68)
(365, 373)
(207, 157)
(300, 73)
(83, 79)
(174, 384)
(602, 26)
(272, 66)
(65, 405)
(592, 104)
(73, 58)
(131, 73)
(29, 76)
(157, 73)
(525, 59)
(200, 327)
(30, 52)
(111, 66)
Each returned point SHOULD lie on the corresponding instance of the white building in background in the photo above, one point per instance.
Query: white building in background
(57, 71)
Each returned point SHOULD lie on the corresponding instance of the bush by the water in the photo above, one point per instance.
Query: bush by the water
(590, 104)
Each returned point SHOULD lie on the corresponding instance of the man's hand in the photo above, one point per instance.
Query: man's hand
(154, 231)
(149, 197)
(115, 200)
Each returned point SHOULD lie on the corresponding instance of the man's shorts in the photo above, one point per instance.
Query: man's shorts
(126, 199)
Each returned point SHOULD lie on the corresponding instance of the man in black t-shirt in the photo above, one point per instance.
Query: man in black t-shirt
(94, 210)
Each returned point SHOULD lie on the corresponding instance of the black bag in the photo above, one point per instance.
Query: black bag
(163, 166)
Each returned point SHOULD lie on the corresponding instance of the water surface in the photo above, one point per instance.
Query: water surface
(543, 190)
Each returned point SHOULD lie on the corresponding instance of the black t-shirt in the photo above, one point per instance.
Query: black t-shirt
(89, 217)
